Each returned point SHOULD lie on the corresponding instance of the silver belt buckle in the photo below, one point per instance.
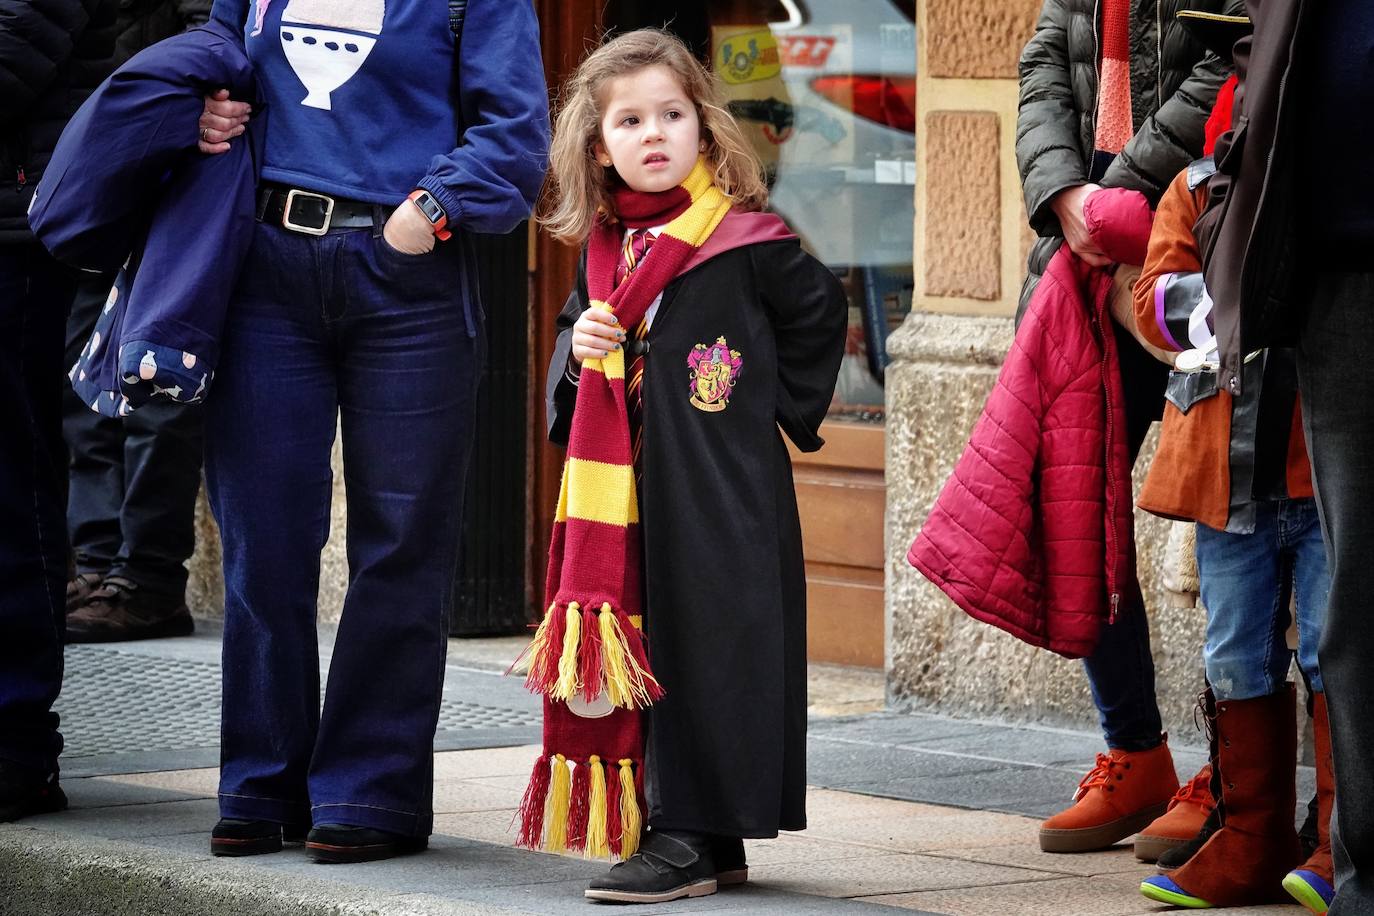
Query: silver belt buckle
(291, 197)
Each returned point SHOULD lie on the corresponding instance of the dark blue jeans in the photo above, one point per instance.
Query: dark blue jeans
(339, 329)
(35, 293)
(1121, 672)
(131, 496)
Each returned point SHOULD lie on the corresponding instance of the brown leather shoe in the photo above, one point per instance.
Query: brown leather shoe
(1123, 793)
(1187, 813)
(118, 610)
(79, 589)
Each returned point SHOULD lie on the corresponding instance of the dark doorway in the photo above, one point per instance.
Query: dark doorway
(490, 594)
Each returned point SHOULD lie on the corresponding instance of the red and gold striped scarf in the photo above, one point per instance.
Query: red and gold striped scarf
(588, 657)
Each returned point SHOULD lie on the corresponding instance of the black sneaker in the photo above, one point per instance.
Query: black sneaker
(24, 792)
(235, 837)
(333, 843)
(118, 610)
(728, 854)
(670, 865)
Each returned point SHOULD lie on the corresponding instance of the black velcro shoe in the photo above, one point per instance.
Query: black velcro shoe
(1178, 856)
(24, 792)
(235, 837)
(338, 843)
(670, 865)
(728, 854)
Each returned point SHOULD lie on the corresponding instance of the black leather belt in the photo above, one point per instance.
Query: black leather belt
(313, 213)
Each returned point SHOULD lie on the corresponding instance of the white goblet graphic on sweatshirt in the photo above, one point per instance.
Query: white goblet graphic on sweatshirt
(326, 42)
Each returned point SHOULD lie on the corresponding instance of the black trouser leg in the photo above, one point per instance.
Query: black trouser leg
(131, 510)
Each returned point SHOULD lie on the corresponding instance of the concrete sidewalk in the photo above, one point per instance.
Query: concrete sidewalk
(916, 812)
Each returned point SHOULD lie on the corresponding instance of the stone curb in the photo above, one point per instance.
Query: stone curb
(43, 872)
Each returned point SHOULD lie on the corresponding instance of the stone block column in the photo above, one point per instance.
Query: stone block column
(971, 240)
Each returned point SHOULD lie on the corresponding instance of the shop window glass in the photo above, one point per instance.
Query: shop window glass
(826, 91)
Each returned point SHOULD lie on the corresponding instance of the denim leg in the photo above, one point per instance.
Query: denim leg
(1311, 584)
(1337, 384)
(1121, 675)
(270, 421)
(1241, 579)
(35, 294)
(1121, 671)
(407, 385)
(95, 487)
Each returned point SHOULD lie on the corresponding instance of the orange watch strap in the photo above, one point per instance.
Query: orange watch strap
(440, 232)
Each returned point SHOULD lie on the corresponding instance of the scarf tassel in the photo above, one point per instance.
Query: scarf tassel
(579, 807)
(532, 805)
(575, 806)
(582, 650)
(560, 799)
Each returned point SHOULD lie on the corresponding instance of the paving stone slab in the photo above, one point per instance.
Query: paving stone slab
(502, 761)
(132, 821)
(1026, 854)
(1030, 791)
(455, 796)
(892, 728)
(886, 874)
(105, 793)
(203, 781)
(1110, 895)
(842, 765)
(896, 831)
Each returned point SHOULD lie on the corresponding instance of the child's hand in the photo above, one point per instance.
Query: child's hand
(595, 335)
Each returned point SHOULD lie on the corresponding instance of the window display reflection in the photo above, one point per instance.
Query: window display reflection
(826, 91)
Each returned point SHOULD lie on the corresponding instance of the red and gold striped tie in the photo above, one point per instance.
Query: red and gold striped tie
(636, 247)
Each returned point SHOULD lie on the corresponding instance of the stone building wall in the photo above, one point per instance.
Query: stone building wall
(971, 241)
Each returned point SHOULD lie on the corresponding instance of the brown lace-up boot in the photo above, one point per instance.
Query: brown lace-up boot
(1245, 861)
(1312, 883)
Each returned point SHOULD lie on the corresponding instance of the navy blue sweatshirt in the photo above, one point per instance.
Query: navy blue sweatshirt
(1336, 97)
(367, 101)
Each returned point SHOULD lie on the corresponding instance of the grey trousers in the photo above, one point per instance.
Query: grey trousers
(1336, 376)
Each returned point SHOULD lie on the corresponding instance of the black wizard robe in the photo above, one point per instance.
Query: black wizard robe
(744, 347)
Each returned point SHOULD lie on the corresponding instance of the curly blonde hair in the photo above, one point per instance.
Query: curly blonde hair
(578, 189)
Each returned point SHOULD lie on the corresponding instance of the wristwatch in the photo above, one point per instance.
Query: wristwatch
(433, 212)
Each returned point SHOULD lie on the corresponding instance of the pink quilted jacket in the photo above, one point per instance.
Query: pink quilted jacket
(1033, 532)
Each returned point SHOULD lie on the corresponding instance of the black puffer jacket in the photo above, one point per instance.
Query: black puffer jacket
(145, 22)
(52, 54)
(1174, 82)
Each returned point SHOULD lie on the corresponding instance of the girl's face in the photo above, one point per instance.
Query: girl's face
(649, 129)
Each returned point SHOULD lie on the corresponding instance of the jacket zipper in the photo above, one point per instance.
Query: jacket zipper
(1113, 597)
(1097, 71)
(1159, 54)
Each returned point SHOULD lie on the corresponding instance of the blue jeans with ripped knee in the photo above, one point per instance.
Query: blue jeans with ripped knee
(1246, 582)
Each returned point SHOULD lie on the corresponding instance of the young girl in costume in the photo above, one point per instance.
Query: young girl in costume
(673, 654)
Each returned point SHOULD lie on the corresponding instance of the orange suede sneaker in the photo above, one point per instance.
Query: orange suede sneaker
(1122, 794)
(1189, 808)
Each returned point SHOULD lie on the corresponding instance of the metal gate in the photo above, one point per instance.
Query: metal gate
(489, 592)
